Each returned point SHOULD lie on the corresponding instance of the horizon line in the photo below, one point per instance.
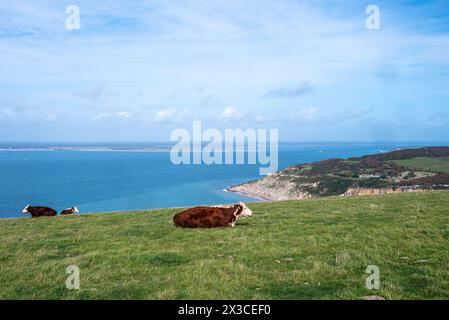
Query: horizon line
(166, 143)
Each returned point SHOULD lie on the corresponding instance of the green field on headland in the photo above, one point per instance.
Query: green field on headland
(309, 249)
(440, 165)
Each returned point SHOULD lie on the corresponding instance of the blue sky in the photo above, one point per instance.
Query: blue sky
(136, 70)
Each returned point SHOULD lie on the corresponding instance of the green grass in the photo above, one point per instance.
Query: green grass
(310, 249)
(440, 165)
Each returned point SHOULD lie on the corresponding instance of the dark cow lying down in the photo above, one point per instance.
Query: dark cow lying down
(39, 211)
(211, 217)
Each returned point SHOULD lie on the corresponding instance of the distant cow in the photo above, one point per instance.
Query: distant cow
(70, 211)
(39, 211)
(211, 217)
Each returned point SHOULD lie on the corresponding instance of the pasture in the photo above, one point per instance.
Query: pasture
(440, 165)
(310, 249)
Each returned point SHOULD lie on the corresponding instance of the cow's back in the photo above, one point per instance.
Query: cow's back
(42, 212)
(67, 212)
(203, 217)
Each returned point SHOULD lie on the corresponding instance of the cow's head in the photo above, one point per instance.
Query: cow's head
(25, 210)
(75, 210)
(243, 211)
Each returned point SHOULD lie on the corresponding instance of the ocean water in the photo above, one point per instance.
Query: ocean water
(100, 181)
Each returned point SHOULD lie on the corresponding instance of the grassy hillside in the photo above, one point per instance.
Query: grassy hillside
(440, 165)
(310, 249)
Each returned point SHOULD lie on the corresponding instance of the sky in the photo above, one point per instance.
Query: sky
(137, 70)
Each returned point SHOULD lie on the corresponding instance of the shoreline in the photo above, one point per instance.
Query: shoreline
(228, 189)
(85, 150)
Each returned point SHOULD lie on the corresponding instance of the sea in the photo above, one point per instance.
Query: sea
(120, 177)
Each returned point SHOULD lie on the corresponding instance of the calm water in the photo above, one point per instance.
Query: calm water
(113, 181)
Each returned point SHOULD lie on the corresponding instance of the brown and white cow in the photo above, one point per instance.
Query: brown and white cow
(70, 211)
(211, 217)
(39, 211)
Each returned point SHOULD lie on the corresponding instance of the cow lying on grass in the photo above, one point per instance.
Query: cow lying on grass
(39, 211)
(211, 217)
(70, 211)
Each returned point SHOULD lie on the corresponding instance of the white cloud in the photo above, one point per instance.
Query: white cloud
(300, 90)
(169, 115)
(123, 115)
(230, 113)
(26, 114)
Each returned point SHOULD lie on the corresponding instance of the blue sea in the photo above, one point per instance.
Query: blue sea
(130, 177)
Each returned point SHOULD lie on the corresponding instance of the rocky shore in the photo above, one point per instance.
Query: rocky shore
(270, 189)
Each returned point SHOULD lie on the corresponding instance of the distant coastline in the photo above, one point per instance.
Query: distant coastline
(86, 149)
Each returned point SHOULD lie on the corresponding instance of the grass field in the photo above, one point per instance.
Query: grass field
(310, 249)
(440, 165)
